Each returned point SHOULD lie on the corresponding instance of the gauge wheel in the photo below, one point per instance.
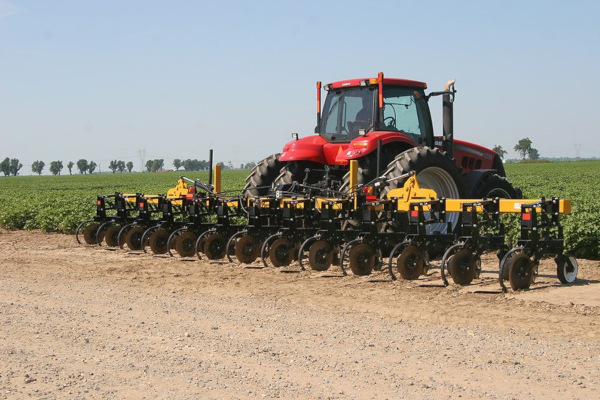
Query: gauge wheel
(247, 249)
(520, 272)
(158, 241)
(112, 236)
(463, 267)
(320, 255)
(281, 252)
(89, 234)
(362, 259)
(185, 244)
(134, 238)
(214, 246)
(411, 263)
(566, 268)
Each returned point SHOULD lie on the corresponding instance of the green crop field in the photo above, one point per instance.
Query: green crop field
(59, 203)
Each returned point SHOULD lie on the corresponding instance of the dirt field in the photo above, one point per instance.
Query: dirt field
(81, 322)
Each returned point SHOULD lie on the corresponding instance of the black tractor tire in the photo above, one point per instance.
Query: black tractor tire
(258, 183)
(435, 170)
(495, 185)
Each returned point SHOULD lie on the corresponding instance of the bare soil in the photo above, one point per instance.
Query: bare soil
(86, 322)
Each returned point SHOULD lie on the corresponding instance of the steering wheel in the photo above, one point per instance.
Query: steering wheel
(391, 123)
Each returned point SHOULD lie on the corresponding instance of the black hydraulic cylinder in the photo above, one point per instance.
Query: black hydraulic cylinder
(210, 167)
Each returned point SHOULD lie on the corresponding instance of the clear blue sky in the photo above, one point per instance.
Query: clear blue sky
(101, 79)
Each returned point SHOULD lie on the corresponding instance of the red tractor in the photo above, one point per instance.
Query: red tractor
(385, 124)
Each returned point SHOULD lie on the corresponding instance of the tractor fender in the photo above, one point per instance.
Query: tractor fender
(367, 144)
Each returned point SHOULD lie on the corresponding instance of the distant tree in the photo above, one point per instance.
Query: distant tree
(82, 166)
(112, 165)
(121, 166)
(129, 166)
(501, 152)
(177, 163)
(56, 167)
(15, 166)
(92, 166)
(523, 147)
(534, 154)
(149, 165)
(5, 166)
(249, 165)
(37, 167)
(157, 164)
(70, 166)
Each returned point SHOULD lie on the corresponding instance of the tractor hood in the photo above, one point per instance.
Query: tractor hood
(471, 156)
(313, 148)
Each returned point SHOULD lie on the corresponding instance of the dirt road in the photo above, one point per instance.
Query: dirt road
(81, 322)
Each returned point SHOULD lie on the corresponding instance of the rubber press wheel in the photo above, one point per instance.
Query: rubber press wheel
(281, 252)
(112, 236)
(320, 255)
(214, 246)
(362, 259)
(158, 241)
(566, 268)
(89, 234)
(247, 249)
(185, 244)
(134, 238)
(411, 263)
(463, 267)
(520, 272)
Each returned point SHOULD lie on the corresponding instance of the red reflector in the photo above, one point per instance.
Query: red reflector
(191, 190)
(414, 213)
(371, 198)
(99, 203)
(141, 205)
(189, 196)
(367, 190)
(527, 217)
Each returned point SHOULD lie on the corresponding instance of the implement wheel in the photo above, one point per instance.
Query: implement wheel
(247, 249)
(463, 267)
(89, 234)
(566, 268)
(158, 241)
(320, 256)
(520, 271)
(281, 252)
(134, 238)
(362, 259)
(214, 246)
(185, 244)
(112, 236)
(411, 263)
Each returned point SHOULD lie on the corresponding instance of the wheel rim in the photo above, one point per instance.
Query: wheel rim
(158, 241)
(320, 256)
(89, 233)
(246, 249)
(214, 247)
(520, 272)
(567, 268)
(134, 238)
(411, 263)
(112, 236)
(185, 244)
(441, 182)
(280, 252)
(362, 259)
(463, 267)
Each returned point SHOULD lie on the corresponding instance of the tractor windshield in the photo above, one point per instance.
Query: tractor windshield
(345, 112)
(405, 110)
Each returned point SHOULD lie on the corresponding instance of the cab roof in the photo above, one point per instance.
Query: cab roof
(373, 81)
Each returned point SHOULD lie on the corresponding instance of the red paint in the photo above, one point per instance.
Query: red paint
(386, 81)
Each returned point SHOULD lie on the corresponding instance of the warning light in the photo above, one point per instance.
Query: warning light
(527, 217)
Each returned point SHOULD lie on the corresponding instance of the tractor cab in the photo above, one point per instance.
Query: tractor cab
(351, 110)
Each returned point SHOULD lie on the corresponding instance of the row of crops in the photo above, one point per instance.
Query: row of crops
(59, 203)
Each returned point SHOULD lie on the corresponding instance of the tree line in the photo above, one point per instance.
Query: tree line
(523, 147)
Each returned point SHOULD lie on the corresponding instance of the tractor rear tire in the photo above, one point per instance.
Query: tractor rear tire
(496, 186)
(258, 183)
(435, 170)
